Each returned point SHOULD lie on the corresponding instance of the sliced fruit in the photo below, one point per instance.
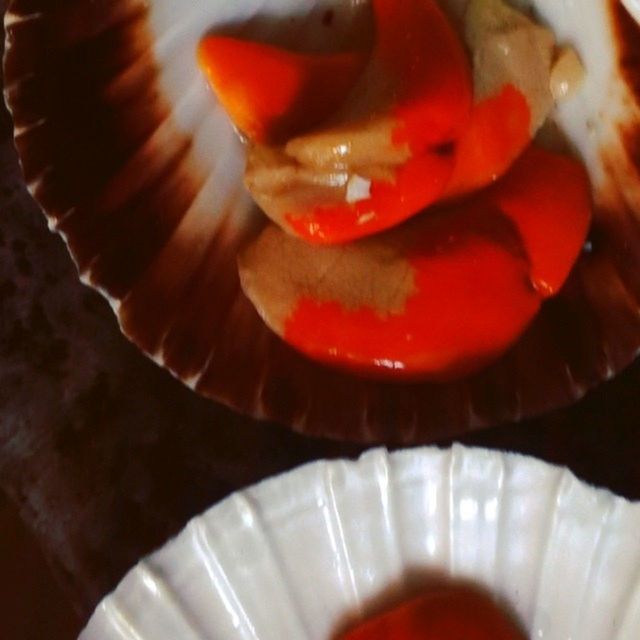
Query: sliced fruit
(513, 64)
(272, 94)
(509, 48)
(439, 297)
(394, 137)
(355, 205)
(451, 613)
(498, 132)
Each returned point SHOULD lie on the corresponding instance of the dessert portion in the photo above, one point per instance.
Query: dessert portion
(272, 94)
(448, 613)
(420, 229)
(370, 177)
(441, 295)
(389, 151)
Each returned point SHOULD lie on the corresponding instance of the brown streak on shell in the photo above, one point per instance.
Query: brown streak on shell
(170, 289)
(207, 300)
(615, 313)
(233, 371)
(74, 22)
(85, 139)
(143, 229)
(120, 175)
(628, 40)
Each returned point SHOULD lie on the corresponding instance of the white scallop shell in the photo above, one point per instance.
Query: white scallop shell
(300, 555)
(137, 168)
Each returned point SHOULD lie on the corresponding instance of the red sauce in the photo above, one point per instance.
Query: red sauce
(453, 613)
(421, 57)
(420, 52)
(472, 300)
(272, 94)
(548, 197)
(476, 287)
(418, 183)
(497, 133)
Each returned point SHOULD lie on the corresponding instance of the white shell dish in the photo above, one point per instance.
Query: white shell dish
(139, 170)
(302, 555)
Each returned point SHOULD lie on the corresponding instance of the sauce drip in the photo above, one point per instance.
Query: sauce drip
(498, 131)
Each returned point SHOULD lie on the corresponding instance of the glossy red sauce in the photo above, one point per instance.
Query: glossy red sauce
(548, 198)
(272, 94)
(476, 289)
(476, 286)
(421, 53)
(472, 299)
(418, 183)
(422, 58)
(446, 614)
(497, 133)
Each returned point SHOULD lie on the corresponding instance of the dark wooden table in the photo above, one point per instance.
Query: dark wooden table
(106, 456)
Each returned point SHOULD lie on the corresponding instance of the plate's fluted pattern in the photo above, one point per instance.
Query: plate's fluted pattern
(138, 169)
(306, 554)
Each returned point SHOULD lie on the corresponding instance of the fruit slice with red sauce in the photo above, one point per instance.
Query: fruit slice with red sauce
(498, 132)
(272, 94)
(453, 613)
(407, 135)
(513, 61)
(437, 298)
(365, 175)
(442, 295)
(390, 151)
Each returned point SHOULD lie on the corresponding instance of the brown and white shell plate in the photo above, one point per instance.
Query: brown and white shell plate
(139, 170)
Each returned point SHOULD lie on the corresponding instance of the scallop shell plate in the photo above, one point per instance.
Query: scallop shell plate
(139, 170)
(306, 554)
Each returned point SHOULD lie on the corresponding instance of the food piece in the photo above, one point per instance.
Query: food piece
(448, 292)
(393, 193)
(515, 71)
(396, 132)
(453, 613)
(548, 198)
(438, 297)
(272, 94)
(567, 74)
(498, 132)
(509, 48)
(513, 58)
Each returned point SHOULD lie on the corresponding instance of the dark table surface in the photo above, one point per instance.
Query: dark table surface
(106, 455)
